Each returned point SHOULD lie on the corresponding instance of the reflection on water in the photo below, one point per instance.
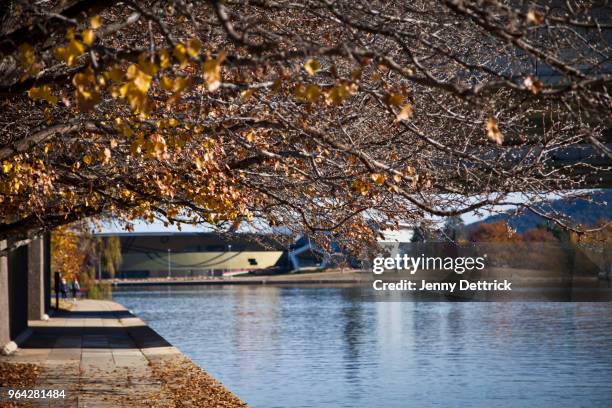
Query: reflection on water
(324, 347)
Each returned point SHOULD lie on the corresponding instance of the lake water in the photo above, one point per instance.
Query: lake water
(324, 347)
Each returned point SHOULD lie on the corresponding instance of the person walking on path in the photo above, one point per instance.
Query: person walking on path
(64, 288)
(75, 287)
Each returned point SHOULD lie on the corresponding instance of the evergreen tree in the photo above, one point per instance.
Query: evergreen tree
(454, 229)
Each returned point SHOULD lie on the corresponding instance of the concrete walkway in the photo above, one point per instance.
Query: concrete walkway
(103, 356)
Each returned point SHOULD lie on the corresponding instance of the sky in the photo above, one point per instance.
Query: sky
(144, 227)
(156, 227)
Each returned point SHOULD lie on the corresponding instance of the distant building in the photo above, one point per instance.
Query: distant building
(304, 255)
(190, 254)
(198, 254)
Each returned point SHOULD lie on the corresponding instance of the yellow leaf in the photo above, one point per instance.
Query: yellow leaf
(146, 66)
(180, 53)
(6, 167)
(404, 114)
(337, 94)
(535, 17)
(246, 94)
(69, 54)
(88, 36)
(359, 186)
(312, 66)
(300, 92)
(394, 99)
(141, 80)
(115, 74)
(180, 84)
(60, 53)
(27, 58)
(312, 92)
(193, 47)
(124, 90)
(212, 71)
(26, 55)
(250, 137)
(378, 178)
(132, 72)
(164, 59)
(87, 91)
(493, 131)
(95, 22)
(87, 159)
(166, 83)
(44, 93)
(76, 48)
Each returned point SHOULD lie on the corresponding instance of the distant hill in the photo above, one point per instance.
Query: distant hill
(581, 211)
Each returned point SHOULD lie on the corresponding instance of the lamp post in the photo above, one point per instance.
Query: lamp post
(169, 265)
(229, 249)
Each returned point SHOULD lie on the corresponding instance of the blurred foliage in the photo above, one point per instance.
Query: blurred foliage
(75, 251)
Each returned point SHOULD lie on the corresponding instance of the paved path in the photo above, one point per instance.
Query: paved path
(100, 353)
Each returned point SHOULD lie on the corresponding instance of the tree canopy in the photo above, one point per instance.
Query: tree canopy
(329, 117)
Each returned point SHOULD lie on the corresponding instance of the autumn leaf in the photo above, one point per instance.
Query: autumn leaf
(180, 53)
(105, 155)
(212, 71)
(95, 22)
(394, 99)
(193, 47)
(493, 131)
(177, 87)
(164, 59)
(378, 178)
(114, 74)
(535, 17)
(246, 94)
(70, 53)
(166, 83)
(6, 167)
(44, 93)
(87, 159)
(307, 94)
(312, 92)
(27, 58)
(312, 66)
(88, 36)
(180, 84)
(140, 79)
(337, 94)
(533, 84)
(359, 187)
(404, 114)
(87, 90)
